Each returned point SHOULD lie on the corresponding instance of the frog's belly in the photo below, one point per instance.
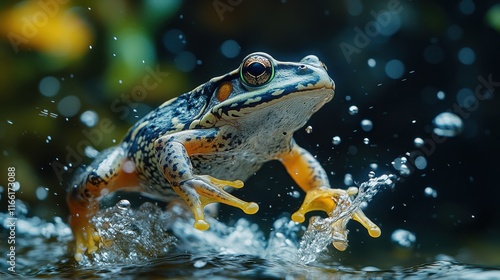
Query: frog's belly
(223, 166)
(226, 166)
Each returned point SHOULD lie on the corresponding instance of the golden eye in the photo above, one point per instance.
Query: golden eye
(256, 70)
(224, 91)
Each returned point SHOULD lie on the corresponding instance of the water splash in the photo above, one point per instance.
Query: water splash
(134, 236)
(323, 231)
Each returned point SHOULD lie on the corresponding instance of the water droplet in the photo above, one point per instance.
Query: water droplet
(336, 140)
(466, 98)
(49, 86)
(366, 125)
(440, 95)
(418, 142)
(467, 7)
(90, 152)
(420, 162)
(123, 204)
(15, 186)
(372, 63)
(185, 61)
(371, 174)
(400, 165)
(128, 166)
(230, 48)
(173, 41)
(466, 56)
(348, 180)
(41, 193)
(430, 192)
(373, 166)
(403, 238)
(48, 139)
(294, 194)
(353, 110)
(200, 263)
(366, 141)
(69, 106)
(115, 38)
(394, 69)
(433, 54)
(9, 122)
(309, 129)
(447, 124)
(89, 118)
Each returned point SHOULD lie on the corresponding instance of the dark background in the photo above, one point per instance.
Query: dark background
(461, 222)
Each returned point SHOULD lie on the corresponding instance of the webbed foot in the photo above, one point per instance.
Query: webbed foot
(203, 190)
(327, 200)
(86, 236)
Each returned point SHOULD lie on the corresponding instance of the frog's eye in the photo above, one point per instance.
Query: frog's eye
(256, 70)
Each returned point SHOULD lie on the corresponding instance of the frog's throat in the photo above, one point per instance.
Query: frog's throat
(322, 96)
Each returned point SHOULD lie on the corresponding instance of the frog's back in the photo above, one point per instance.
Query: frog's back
(174, 115)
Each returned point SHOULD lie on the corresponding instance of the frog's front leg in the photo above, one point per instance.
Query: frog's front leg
(311, 177)
(197, 190)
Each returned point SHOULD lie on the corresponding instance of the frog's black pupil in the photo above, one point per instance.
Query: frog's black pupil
(255, 69)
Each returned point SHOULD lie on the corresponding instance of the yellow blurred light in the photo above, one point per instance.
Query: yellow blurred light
(47, 26)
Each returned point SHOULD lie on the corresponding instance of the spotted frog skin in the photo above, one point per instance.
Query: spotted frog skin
(213, 137)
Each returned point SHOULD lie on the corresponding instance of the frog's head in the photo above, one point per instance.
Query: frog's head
(263, 89)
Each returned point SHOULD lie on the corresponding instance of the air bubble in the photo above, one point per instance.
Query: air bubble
(447, 124)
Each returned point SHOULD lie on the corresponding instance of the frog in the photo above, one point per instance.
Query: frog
(201, 145)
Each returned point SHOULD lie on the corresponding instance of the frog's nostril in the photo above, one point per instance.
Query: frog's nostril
(303, 69)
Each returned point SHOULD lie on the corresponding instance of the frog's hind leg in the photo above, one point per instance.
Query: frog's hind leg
(103, 176)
